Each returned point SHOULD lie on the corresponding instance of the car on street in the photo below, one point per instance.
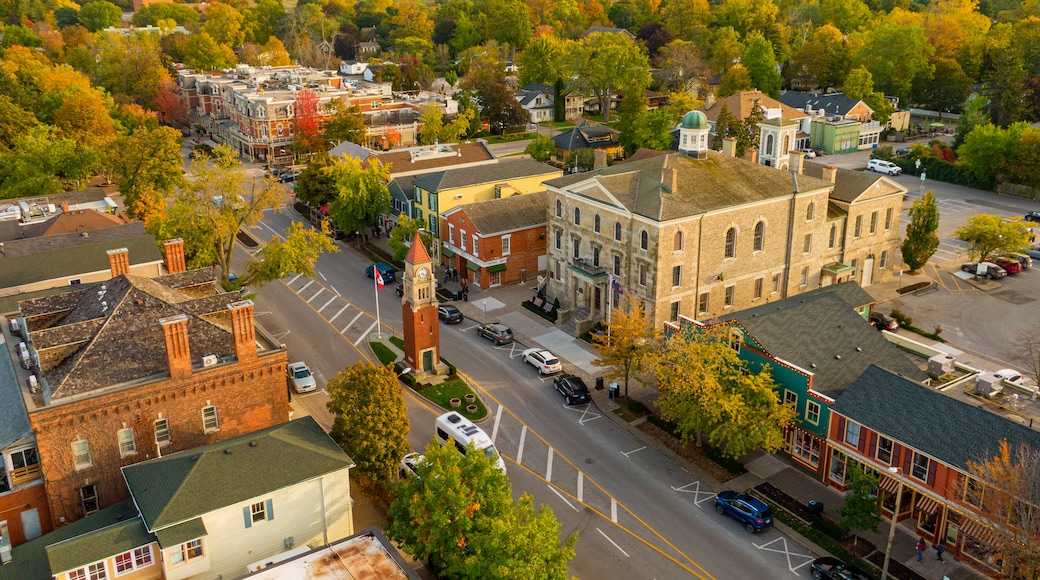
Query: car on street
(288, 177)
(883, 321)
(751, 511)
(1033, 252)
(543, 360)
(993, 271)
(572, 388)
(830, 568)
(1012, 266)
(385, 270)
(409, 464)
(300, 377)
(1033, 216)
(1023, 259)
(882, 166)
(449, 314)
(903, 151)
(809, 153)
(496, 332)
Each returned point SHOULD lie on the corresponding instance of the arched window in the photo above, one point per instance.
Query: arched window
(833, 237)
(731, 243)
(769, 144)
(787, 145)
(810, 212)
(595, 224)
(577, 216)
(760, 236)
(644, 240)
(559, 209)
(617, 231)
(678, 241)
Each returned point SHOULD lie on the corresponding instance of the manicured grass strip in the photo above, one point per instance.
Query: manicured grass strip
(382, 352)
(443, 393)
(397, 341)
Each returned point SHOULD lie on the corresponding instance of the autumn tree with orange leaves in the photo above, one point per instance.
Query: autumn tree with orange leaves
(307, 123)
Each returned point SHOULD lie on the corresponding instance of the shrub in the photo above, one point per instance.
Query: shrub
(637, 407)
(833, 530)
(556, 303)
(901, 318)
(728, 463)
(451, 367)
(666, 426)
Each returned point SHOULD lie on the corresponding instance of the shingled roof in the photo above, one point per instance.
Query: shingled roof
(851, 186)
(403, 160)
(832, 104)
(506, 214)
(181, 487)
(943, 427)
(586, 136)
(741, 104)
(482, 174)
(715, 182)
(80, 220)
(109, 334)
(821, 333)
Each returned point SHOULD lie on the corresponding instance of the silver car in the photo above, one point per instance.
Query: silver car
(300, 377)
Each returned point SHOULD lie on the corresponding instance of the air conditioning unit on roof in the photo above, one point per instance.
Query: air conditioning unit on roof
(209, 360)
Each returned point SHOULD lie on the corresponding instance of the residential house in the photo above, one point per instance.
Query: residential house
(702, 233)
(786, 128)
(506, 239)
(205, 512)
(352, 67)
(588, 136)
(816, 344)
(885, 420)
(437, 192)
(133, 368)
(832, 118)
(538, 100)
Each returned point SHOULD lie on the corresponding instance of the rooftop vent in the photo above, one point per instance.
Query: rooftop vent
(837, 356)
(227, 451)
(252, 443)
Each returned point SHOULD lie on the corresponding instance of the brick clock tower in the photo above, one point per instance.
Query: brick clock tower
(422, 339)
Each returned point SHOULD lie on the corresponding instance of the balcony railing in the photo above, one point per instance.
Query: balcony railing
(587, 267)
(24, 474)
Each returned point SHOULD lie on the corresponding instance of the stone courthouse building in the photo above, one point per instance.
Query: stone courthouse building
(703, 233)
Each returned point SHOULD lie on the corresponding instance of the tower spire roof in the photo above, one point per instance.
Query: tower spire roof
(417, 254)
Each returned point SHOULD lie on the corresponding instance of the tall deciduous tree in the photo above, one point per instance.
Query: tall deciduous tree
(41, 163)
(361, 196)
(307, 123)
(861, 509)
(735, 80)
(316, 185)
(225, 24)
(345, 124)
(544, 61)
(541, 148)
(295, 254)
(605, 62)
(202, 53)
(147, 167)
(897, 55)
(403, 234)
(624, 350)
(99, 14)
(131, 67)
(371, 421)
(760, 61)
(686, 19)
(991, 235)
(921, 242)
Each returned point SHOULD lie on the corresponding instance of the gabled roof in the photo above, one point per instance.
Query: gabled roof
(586, 136)
(183, 486)
(851, 186)
(820, 332)
(718, 181)
(351, 149)
(832, 104)
(483, 174)
(608, 29)
(80, 220)
(940, 426)
(14, 418)
(506, 214)
(741, 104)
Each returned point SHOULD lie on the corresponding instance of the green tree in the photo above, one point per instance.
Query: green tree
(760, 61)
(345, 124)
(624, 350)
(544, 61)
(510, 23)
(431, 121)
(735, 80)
(860, 510)
(726, 125)
(845, 15)
(992, 235)
(225, 24)
(361, 196)
(42, 163)
(147, 167)
(99, 14)
(682, 65)
(202, 53)
(987, 149)
(605, 62)
(274, 53)
(976, 114)
(541, 148)
(896, 55)
(66, 16)
(316, 186)
(748, 131)
(132, 67)
(403, 234)
(1005, 85)
(371, 420)
(921, 242)
(632, 112)
(151, 14)
(295, 254)
(946, 89)
(1023, 164)
(859, 83)
(686, 19)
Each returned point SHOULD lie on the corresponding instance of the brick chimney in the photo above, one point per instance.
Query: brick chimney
(751, 154)
(599, 158)
(173, 252)
(830, 173)
(65, 207)
(243, 329)
(795, 161)
(670, 179)
(119, 261)
(729, 146)
(178, 355)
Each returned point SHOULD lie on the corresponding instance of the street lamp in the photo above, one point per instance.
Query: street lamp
(895, 514)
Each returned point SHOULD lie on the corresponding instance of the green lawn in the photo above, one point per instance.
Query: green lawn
(382, 352)
(397, 341)
(555, 125)
(443, 393)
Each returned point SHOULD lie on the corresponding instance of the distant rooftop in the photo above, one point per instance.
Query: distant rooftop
(367, 554)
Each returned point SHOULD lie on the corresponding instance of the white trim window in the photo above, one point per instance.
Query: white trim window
(210, 421)
(919, 468)
(95, 571)
(852, 433)
(127, 443)
(81, 453)
(162, 432)
(506, 244)
(185, 552)
(134, 560)
(812, 412)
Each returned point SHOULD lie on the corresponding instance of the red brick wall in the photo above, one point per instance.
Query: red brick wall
(248, 396)
(13, 504)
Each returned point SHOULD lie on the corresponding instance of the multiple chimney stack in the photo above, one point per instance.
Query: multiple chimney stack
(243, 330)
(173, 252)
(178, 355)
(119, 261)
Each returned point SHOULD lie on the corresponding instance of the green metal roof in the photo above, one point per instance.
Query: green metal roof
(178, 534)
(185, 485)
(497, 268)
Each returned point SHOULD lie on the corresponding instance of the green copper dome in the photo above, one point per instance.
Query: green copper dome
(694, 120)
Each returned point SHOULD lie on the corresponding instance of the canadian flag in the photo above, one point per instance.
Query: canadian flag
(379, 279)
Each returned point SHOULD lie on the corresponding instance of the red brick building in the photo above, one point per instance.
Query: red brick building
(504, 239)
(135, 368)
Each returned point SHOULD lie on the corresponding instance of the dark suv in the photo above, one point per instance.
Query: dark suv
(883, 322)
(572, 388)
(750, 510)
(496, 332)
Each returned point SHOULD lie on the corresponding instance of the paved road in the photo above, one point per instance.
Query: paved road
(638, 513)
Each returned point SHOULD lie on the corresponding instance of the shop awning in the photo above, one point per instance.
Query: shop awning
(446, 252)
(889, 484)
(927, 505)
(497, 268)
(978, 531)
(473, 266)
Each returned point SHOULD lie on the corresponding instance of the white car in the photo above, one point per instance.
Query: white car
(809, 153)
(882, 166)
(543, 360)
(408, 465)
(300, 377)
(1013, 378)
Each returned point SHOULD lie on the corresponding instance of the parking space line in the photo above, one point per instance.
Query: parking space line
(786, 551)
(561, 496)
(351, 323)
(323, 277)
(320, 290)
(613, 542)
(626, 454)
(326, 304)
(498, 420)
(295, 278)
(364, 335)
(345, 306)
(548, 467)
(581, 486)
(520, 451)
(300, 291)
(334, 290)
(696, 485)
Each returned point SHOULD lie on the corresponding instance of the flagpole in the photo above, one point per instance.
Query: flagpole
(375, 287)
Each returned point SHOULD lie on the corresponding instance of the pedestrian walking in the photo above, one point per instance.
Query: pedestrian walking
(454, 274)
(447, 274)
(939, 549)
(921, 546)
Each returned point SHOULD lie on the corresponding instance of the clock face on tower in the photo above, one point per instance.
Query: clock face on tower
(423, 273)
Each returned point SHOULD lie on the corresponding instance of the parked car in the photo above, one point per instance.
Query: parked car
(1014, 378)
(300, 377)
(809, 153)
(993, 271)
(449, 314)
(543, 360)
(882, 166)
(903, 151)
(830, 568)
(753, 512)
(1033, 216)
(496, 332)
(288, 177)
(385, 270)
(1011, 265)
(409, 464)
(1023, 259)
(572, 388)
(884, 322)
(1034, 252)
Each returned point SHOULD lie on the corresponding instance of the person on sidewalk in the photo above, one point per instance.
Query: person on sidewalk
(939, 549)
(921, 547)
(454, 275)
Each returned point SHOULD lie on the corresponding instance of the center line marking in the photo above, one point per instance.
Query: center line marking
(351, 323)
(520, 452)
(326, 304)
(345, 306)
(613, 542)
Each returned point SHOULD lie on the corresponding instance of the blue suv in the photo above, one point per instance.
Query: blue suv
(753, 512)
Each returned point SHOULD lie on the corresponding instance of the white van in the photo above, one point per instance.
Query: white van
(455, 427)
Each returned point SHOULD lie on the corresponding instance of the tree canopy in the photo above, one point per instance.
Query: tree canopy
(361, 192)
(991, 235)
(921, 242)
(604, 63)
(624, 350)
